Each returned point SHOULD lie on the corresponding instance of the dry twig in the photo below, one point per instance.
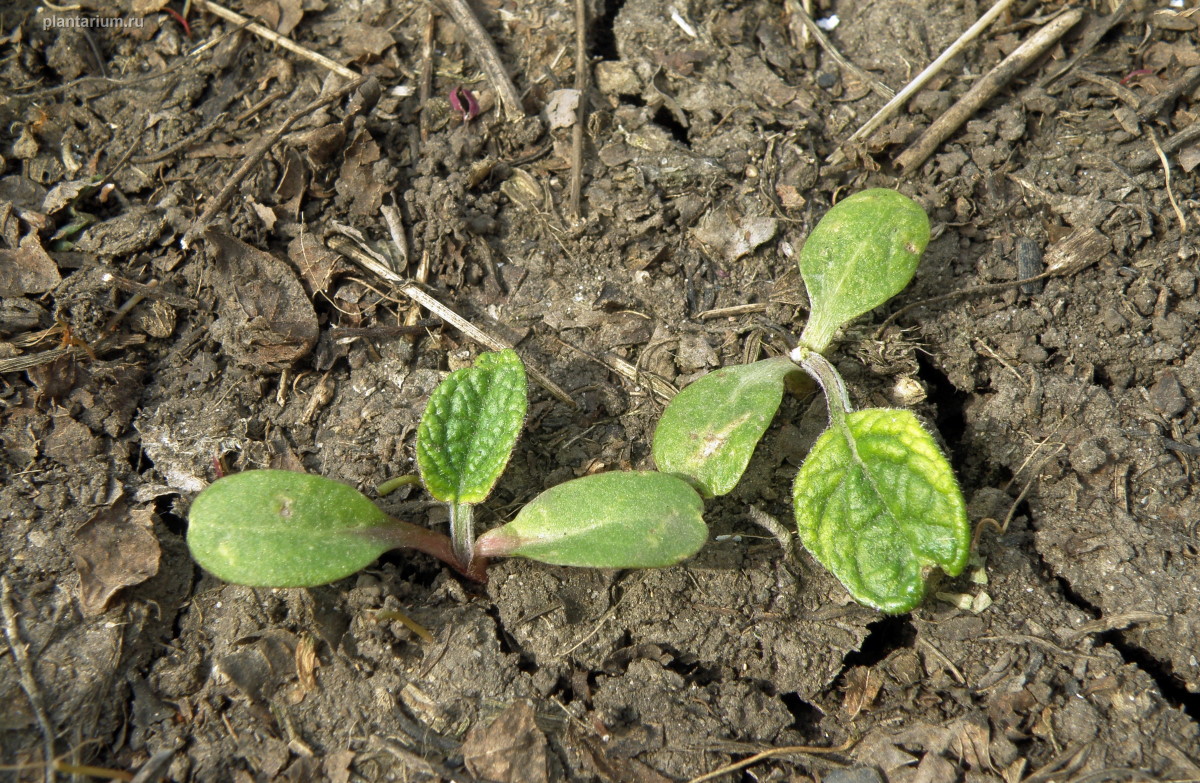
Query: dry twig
(766, 754)
(489, 57)
(20, 652)
(985, 88)
(1146, 158)
(924, 76)
(581, 86)
(426, 89)
(1097, 29)
(235, 180)
(277, 39)
(414, 292)
(1152, 107)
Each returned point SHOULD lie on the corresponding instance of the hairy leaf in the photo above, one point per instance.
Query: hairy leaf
(862, 253)
(470, 426)
(608, 520)
(276, 528)
(709, 430)
(877, 503)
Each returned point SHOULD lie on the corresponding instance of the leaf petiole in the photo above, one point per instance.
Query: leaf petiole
(830, 380)
(462, 532)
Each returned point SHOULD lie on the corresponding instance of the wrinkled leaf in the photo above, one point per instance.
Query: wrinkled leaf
(276, 528)
(877, 503)
(607, 520)
(862, 253)
(709, 431)
(470, 426)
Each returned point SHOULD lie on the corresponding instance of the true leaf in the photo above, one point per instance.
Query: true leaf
(470, 426)
(276, 528)
(607, 520)
(862, 253)
(708, 432)
(877, 503)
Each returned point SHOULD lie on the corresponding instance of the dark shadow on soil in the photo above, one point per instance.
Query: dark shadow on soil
(1173, 690)
(884, 637)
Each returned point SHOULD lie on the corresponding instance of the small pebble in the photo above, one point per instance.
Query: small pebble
(1088, 457)
(1167, 396)
(825, 80)
(853, 775)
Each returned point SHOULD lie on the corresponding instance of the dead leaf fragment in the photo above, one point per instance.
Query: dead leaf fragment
(316, 262)
(355, 179)
(307, 663)
(65, 193)
(265, 316)
(361, 40)
(734, 237)
(260, 664)
(862, 688)
(510, 750)
(71, 443)
(1076, 251)
(117, 548)
(27, 270)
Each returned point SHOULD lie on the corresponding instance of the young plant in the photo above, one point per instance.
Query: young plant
(273, 528)
(875, 501)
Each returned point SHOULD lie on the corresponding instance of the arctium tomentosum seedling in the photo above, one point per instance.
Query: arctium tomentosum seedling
(275, 528)
(875, 501)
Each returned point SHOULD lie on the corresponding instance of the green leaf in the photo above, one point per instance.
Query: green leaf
(877, 503)
(470, 426)
(861, 254)
(608, 520)
(276, 528)
(709, 430)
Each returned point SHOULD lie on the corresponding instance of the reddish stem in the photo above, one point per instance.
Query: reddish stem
(1138, 72)
(406, 535)
(187, 29)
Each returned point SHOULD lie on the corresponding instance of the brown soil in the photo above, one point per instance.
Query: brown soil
(1068, 406)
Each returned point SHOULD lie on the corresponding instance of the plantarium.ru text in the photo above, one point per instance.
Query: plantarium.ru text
(875, 501)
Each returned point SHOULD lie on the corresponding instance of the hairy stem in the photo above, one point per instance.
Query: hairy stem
(820, 368)
(462, 532)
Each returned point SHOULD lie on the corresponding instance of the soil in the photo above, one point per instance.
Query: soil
(1066, 651)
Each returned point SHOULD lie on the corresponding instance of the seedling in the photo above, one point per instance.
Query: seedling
(875, 501)
(273, 528)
